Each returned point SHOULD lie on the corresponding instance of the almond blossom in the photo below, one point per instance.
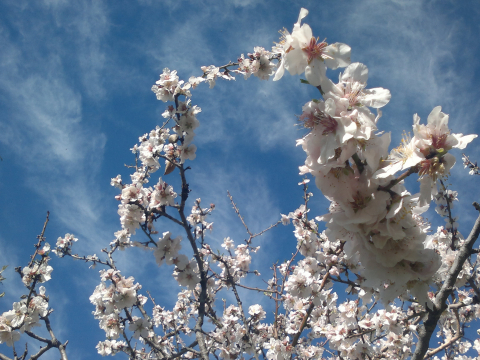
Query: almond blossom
(301, 52)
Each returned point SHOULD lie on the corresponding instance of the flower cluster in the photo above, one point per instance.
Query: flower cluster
(371, 211)
(110, 300)
(23, 317)
(64, 245)
(301, 52)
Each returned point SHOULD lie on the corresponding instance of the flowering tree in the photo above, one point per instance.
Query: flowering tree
(404, 283)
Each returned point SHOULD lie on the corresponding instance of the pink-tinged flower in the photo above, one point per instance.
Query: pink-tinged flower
(167, 247)
(285, 219)
(328, 132)
(187, 153)
(188, 276)
(257, 312)
(162, 195)
(433, 141)
(164, 88)
(302, 52)
(435, 137)
(259, 64)
(351, 89)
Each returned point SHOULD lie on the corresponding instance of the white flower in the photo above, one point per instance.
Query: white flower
(403, 157)
(167, 247)
(262, 67)
(140, 327)
(351, 89)
(285, 219)
(257, 312)
(187, 277)
(165, 87)
(435, 136)
(117, 182)
(187, 153)
(302, 52)
(227, 243)
(104, 348)
(111, 325)
(328, 133)
(162, 195)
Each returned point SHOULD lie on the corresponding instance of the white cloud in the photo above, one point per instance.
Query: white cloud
(45, 133)
(87, 26)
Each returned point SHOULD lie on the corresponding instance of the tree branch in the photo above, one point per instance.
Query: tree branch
(309, 311)
(439, 304)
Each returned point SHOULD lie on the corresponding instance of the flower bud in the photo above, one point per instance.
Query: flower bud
(169, 167)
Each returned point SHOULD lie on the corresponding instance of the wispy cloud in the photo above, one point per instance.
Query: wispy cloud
(86, 24)
(44, 129)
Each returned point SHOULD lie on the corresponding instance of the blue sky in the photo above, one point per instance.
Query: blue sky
(75, 79)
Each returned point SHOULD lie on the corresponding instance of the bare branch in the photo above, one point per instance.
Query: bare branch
(239, 215)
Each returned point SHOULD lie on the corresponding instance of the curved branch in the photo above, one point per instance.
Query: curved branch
(440, 302)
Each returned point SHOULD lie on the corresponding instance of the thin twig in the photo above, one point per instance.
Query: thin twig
(238, 213)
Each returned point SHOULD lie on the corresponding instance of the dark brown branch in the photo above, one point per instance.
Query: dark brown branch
(240, 306)
(440, 302)
(40, 238)
(184, 350)
(203, 276)
(412, 170)
(309, 311)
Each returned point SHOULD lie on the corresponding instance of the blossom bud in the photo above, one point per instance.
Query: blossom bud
(169, 167)
(172, 139)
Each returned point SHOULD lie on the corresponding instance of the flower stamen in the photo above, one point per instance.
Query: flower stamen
(315, 50)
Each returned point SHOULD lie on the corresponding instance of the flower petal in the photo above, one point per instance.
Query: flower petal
(340, 54)
(376, 97)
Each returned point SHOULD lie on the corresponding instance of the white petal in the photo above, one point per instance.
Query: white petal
(416, 119)
(448, 162)
(328, 86)
(340, 54)
(463, 141)
(438, 118)
(375, 149)
(426, 187)
(330, 107)
(388, 170)
(376, 97)
(315, 72)
(356, 72)
(280, 70)
(395, 207)
(302, 15)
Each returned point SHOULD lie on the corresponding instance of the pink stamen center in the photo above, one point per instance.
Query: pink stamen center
(440, 141)
(314, 49)
(329, 123)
